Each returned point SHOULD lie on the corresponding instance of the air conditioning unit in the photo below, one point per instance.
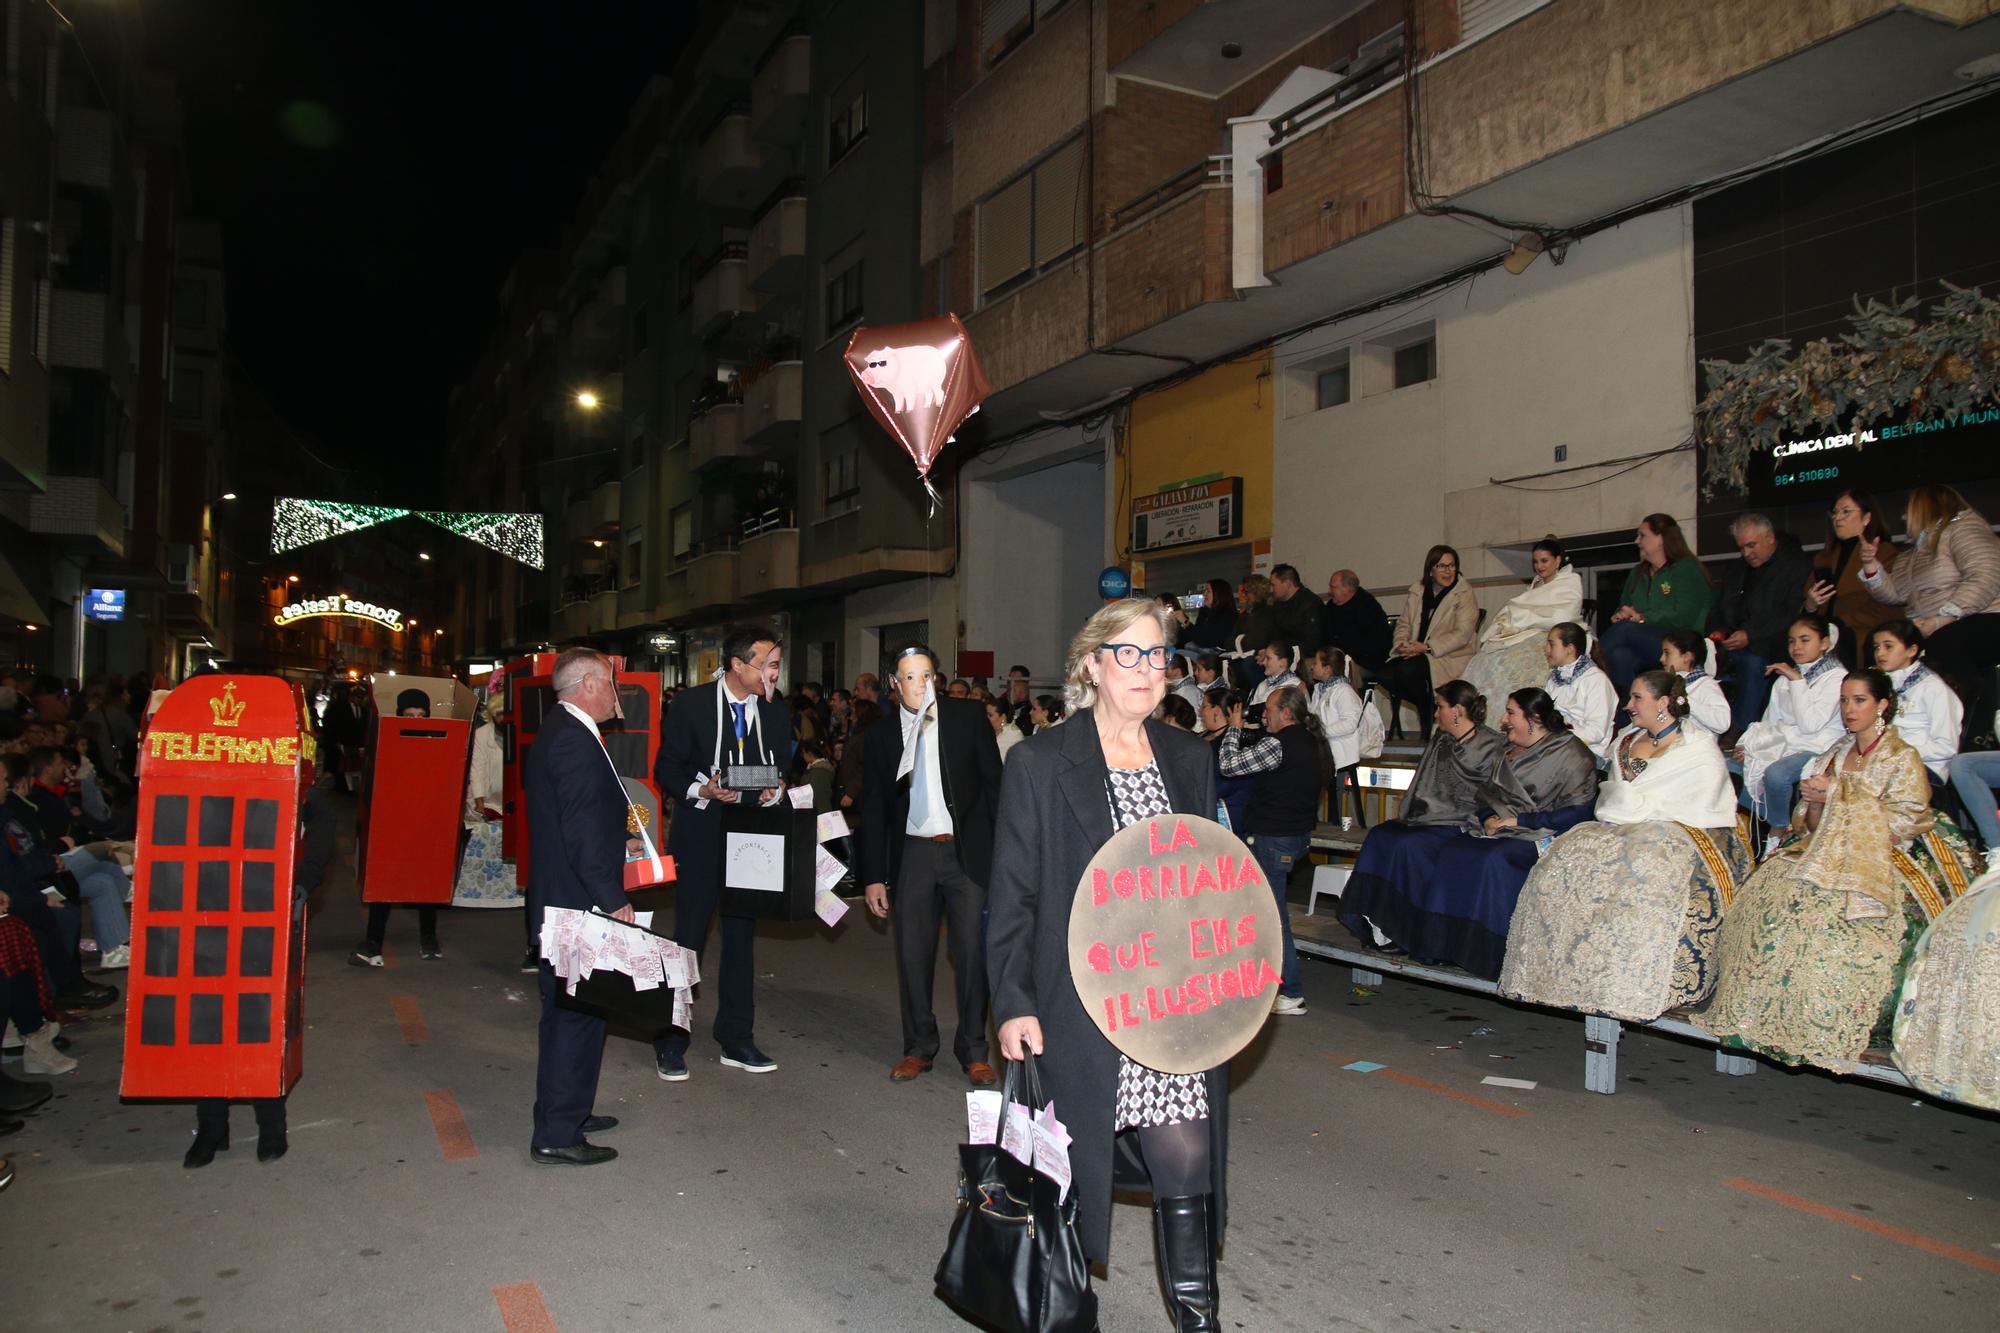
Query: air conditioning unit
(182, 571)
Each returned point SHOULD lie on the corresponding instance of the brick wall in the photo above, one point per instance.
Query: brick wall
(1148, 138)
(1341, 180)
(1039, 327)
(1133, 23)
(1172, 261)
(1025, 105)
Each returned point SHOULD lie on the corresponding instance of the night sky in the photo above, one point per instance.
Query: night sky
(376, 169)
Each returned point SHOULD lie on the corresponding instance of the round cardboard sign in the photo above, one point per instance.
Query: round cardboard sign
(1175, 943)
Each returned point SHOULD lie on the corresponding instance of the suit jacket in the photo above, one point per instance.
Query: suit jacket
(1055, 812)
(687, 753)
(576, 821)
(1762, 605)
(970, 773)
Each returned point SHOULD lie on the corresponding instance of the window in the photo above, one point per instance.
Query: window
(186, 397)
(190, 303)
(1331, 386)
(680, 530)
(846, 126)
(840, 481)
(635, 550)
(1416, 362)
(1005, 24)
(1032, 221)
(843, 298)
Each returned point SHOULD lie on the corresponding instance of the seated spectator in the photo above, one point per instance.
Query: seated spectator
(1275, 660)
(1581, 688)
(1512, 648)
(1353, 621)
(1177, 713)
(1667, 589)
(1286, 766)
(1458, 911)
(1752, 608)
(1948, 584)
(1296, 611)
(1811, 952)
(1801, 721)
(1177, 617)
(1460, 761)
(1435, 637)
(31, 1004)
(1046, 711)
(1180, 683)
(1692, 657)
(1208, 673)
(1218, 705)
(1256, 626)
(27, 874)
(1950, 980)
(1005, 734)
(1836, 590)
(1215, 621)
(1928, 715)
(88, 872)
(1619, 916)
(1974, 775)
(1336, 706)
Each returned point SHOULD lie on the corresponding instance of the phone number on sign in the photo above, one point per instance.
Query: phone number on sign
(1809, 474)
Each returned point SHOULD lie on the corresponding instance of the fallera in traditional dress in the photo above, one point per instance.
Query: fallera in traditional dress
(1815, 945)
(1619, 917)
(1511, 652)
(1947, 1029)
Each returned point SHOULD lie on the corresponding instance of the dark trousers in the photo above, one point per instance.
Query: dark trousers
(211, 1116)
(1409, 679)
(24, 1002)
(56, 935)
(930, 884)
(695, 900)
(378, 921)
(1965, 652)
(1751, 688)
(568, 1056)
(1631, 647)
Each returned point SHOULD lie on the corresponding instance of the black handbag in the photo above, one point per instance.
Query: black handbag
(1013, 1260)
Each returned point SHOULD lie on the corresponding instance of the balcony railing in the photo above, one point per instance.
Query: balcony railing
(1212, 170)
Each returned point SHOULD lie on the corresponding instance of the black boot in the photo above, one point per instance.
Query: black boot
(211, 1133)
(271, 1141)
(17, 1095)
(1184, 1233)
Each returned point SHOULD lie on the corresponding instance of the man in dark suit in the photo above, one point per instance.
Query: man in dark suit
(732, 720)
(930, 834)
(576, 828)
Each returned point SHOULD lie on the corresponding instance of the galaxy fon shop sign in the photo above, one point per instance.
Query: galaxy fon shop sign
(1175, 942)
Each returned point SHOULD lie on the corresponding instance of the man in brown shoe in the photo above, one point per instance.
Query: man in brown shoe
(930, 834)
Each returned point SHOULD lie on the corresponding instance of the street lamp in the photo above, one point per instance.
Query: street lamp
(291, 578)
(585, 399)
(229, 495)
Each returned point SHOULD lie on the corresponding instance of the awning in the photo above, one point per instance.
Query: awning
(16, 602)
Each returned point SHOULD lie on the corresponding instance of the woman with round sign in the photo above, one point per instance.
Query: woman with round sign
(1067, 793)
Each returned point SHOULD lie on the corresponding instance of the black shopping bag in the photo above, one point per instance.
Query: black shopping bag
(1013, 1259)
(767, 861)
(613, 995)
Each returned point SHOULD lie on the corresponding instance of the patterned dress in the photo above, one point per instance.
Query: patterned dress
(1147, 1096)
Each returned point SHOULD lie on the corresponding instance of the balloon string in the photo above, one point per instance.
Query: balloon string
(936, 499)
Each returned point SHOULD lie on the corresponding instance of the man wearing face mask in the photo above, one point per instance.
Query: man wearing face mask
(930, 834)
(709, 729)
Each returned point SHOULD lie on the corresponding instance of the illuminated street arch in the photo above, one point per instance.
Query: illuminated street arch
(296, 523)
(339, 604)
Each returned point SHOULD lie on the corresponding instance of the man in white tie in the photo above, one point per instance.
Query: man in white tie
(929, 834)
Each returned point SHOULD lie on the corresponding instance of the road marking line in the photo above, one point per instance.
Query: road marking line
(522, 1309)
(1498, 1108)
(1914, 1239)
(449, 1122)
(412, 1021)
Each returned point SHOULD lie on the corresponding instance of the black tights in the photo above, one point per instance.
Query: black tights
(1177, 1158)
(378, 921)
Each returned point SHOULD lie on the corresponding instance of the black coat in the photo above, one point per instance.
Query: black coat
(1055, 812)
(1763, 607)
(687, 754)
(971, 778)
(1360, 628)
(576, 821)
(1298, 624)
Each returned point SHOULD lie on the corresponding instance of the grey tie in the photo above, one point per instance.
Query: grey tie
(920, 792)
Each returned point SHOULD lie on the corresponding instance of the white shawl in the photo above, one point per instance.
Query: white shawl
(1689, 784)
(1537, 609)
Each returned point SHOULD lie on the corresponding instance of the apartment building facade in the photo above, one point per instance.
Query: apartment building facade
(1305, 209)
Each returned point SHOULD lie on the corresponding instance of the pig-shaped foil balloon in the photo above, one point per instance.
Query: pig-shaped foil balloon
(921, 381)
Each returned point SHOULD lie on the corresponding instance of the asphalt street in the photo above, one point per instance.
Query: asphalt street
(818, 1196)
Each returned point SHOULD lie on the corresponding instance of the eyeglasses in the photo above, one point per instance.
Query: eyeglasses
(1129, 655)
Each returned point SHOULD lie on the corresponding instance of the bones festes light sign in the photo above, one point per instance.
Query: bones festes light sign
(339, 604)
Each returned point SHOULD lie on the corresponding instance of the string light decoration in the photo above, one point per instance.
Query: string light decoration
(296, 523)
